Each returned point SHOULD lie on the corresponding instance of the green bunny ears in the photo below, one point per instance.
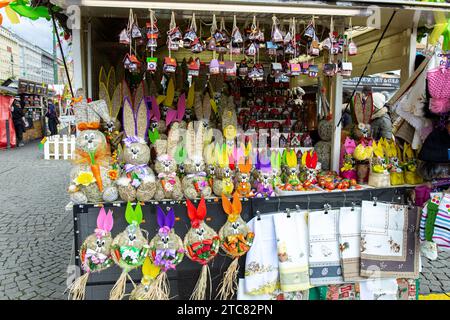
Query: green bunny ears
(133, 215)
(275, 160)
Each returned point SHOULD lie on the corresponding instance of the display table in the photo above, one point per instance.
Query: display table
(183, 280)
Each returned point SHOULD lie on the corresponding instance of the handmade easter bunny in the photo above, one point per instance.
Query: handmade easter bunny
(236, 239)
(92, 177)
(291, 178)
(348, 165)
(128, 249)
(410, 165)
(264, 181)
(95, 253)
(310, 163)
(223, 181)
(168, 185)
(243, 186)
(209, 154)
(166, 251)
(112, 94)
(201, 244)
(138, 180)
(146, 290)
(275, 162)
(195, 183)
(157, 127)
(394, 167)
(378, 176)
(202, 108)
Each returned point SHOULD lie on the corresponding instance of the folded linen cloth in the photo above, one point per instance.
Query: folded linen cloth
(292, 245)
(349, 242)
(389, 240)
(324, 264)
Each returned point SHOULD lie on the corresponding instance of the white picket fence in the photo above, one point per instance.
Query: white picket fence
(57, 147)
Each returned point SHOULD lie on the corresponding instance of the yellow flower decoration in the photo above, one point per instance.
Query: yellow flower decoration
(84, 178)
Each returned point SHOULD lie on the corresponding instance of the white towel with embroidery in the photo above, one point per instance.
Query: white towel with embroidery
(292, 245)
(379, 289)
(276, 295)
(324, 258)
(349, 242)
(261, 263)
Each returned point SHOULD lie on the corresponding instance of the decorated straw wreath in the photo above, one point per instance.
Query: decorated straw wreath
(236, 239)
(166, 252)
(129, 249)
(201, 244)
(95, 254)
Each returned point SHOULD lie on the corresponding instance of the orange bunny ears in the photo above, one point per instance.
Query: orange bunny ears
(232, 210)
(196, 215)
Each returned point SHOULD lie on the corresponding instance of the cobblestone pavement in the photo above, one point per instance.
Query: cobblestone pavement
(35, 230)
(36, 233)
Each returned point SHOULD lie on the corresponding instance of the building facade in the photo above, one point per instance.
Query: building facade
(30, 60)
(47, 68)
(9, 55)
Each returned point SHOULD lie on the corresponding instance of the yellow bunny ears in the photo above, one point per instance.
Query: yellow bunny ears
(378, 148)
(233, 210)
(149, 271)
(291, 159)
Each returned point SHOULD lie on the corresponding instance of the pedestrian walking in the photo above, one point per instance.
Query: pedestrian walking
(53, 120)
(18, 115)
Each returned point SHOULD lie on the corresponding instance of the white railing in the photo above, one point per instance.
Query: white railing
(57, 147)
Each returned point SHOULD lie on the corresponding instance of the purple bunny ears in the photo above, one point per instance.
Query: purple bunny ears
(165, 220)
(349, 145)
(263, 162)
(154, 114)
(177, 115)
(104, 221)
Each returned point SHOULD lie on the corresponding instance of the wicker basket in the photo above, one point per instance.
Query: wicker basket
(379, 180)
(397, 178)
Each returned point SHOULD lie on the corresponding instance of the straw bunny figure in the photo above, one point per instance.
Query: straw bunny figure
(91, 178)
(378, 176)
(394, 167)
(202, 244)
(223, 181)
(195, 183)
(112, 95)
(275, 163)
(291, 171)
(243, 186)
(157, 127)
(128, 249)
(348, 165)
(138, 180)
(95, 253)
(264, 182)
(169, 185)
(310, 163)
(209, 154)
(166, 251)
(236, 239)
(202, 108)
(410, 165)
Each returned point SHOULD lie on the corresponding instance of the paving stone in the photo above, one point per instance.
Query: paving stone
(442, 276)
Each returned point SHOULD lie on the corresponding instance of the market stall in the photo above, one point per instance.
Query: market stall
(32, 96)
(198, 105)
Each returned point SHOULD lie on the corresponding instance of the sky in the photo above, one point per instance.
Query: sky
(38, 32)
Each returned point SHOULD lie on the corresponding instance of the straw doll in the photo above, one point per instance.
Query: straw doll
(202, 245)
(223, 181)
(264, 181)
(128, 249)
(138, 180)
(92, 177)
(209, 154)
(95, 253)
(410, 165)
(166, 252)
(195, 183)
(378, 176)
(157, 127)
(236, 239)
(168, 185)
(202, 108)
(145, 290)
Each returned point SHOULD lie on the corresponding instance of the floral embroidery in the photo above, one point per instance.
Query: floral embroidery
(255, 268)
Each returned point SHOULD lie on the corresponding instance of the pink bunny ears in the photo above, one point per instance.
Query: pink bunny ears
(177, 115)
(104, 222)
(154, 113)
(349, 145)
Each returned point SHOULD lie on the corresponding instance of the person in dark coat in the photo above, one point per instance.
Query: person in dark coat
(52, 119)
(18, 114)
(381, 121)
